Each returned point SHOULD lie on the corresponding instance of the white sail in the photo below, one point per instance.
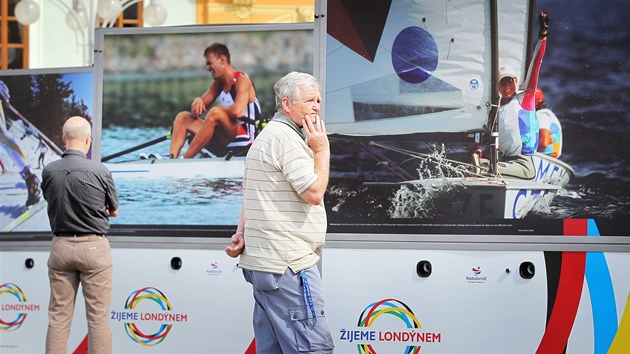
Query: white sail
(430, 72)
(513, 30)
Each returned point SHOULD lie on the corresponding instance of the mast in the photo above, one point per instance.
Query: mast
(493, 121)
(529, 42)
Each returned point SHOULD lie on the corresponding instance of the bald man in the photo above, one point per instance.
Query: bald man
(81, 198)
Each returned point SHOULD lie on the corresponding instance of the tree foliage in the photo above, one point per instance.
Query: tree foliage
(46, 101)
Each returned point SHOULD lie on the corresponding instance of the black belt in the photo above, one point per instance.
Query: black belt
(76, 234)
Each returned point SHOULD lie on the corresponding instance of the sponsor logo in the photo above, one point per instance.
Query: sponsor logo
(135, 315)
(214, 269)
(476, 276)
(473, 84)
(370, 338)
(13, 301)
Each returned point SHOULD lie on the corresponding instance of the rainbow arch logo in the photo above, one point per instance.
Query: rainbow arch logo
(390, 307)
(138, 336)
(14, 290)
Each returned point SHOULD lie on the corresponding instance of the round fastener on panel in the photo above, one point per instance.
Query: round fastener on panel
(176, 263)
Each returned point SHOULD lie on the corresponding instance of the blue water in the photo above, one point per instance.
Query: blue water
(179, 201)
(116, 139)
(167, 201)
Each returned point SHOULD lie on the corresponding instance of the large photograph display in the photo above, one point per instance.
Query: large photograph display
(35, 104)
(409, 102)
(151, 75)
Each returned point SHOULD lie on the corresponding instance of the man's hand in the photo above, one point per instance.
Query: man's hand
(198, 107)
(315, 133)
(111, 213)
(238, 244)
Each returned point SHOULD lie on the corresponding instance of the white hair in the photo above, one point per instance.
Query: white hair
(289, 86)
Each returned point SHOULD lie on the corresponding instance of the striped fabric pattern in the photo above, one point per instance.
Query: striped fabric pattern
(281, 229)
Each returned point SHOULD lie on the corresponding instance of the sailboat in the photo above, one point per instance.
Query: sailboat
(404, 70)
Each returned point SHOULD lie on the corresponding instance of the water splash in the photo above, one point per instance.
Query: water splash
(436, 164)
(424, 199)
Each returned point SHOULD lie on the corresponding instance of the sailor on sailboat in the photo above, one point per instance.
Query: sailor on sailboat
(550, 130)
(518, 125)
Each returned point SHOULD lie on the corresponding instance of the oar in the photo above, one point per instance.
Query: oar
(48, 141)
(143, 145)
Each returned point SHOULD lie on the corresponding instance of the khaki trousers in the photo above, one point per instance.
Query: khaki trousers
(85, 260)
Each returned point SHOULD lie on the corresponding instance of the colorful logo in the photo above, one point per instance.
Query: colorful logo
(214, 269)
(12, 289)
(476, 277)
(390, 340)
(391, 307)
(473, 84)
(156, 296)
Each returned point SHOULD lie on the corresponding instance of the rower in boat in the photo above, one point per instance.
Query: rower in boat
(227, 126)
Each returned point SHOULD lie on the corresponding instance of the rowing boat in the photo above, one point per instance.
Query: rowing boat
(153, 168)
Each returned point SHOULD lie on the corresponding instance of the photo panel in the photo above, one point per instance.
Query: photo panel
(147, 77)
(35, 105)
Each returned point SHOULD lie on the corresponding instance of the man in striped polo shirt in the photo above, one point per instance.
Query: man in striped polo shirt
(282, 226)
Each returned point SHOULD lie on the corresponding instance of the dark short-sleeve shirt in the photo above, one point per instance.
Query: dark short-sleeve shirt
(78, 191)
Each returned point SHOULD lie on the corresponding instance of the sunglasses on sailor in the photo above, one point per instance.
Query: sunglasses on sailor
(506, 81)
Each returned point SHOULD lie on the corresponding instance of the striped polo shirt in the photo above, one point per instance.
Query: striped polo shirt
(281, 229)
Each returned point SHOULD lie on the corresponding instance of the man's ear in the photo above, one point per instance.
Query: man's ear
(285, 104)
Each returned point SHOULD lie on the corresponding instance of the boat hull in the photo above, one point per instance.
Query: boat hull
(468, 198)
(179, 168)
(551, 170)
